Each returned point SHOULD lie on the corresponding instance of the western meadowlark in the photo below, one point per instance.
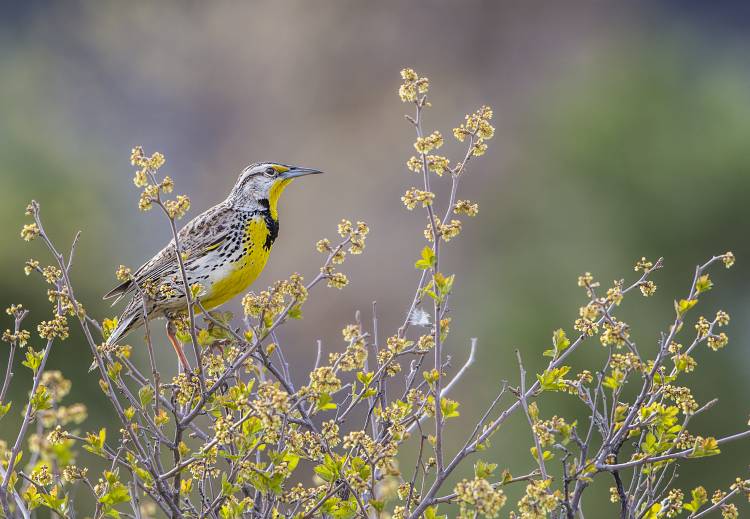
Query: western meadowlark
(224, 250)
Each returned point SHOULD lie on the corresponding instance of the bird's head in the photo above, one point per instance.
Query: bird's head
(260, 185)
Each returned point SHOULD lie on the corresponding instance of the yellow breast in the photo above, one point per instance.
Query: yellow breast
(245, 270)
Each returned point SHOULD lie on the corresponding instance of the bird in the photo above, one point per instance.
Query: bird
(224, 250)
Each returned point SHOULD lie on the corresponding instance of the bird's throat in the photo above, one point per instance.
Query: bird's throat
(273, 196)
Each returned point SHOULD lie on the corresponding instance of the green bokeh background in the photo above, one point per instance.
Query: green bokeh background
(622, 131)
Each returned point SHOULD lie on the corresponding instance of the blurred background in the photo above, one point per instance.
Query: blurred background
(622, 131)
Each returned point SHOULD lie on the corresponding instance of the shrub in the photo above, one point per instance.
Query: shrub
(239, 437)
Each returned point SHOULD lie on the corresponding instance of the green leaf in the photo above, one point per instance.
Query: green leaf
(295, 312)
(4, 409)
(546, 455)
(32, 497)
(703, 284)
(360, 467)
(228, 488)
(33, 359)
(291, 460)
(324, 473)
(449, 408)
(95, 442)
(330, 469)
(653, 512)
(705, 447)
(183, 336)
(552, 379)
(431, 376)
(233, 509)
(444, 284)
(684, 305)
(431, 513)
(427, 261)
(41, 399)
(146, 395)
(560, 343)
(649, 443)
(115, 494)
(108, 326)
(204, 337)
(113, 370)
(186, 486)
(615, 380)
(325, 402)
(483, 470)
(365, 377)
(58, 504)
(560, 340)
(699, 497)
(337, 508)
(142, 473)
(506, 477)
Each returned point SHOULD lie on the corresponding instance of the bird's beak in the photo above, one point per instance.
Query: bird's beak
(298, 172)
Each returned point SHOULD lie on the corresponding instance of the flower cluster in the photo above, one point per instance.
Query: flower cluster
(269, 304)
(683, 397)
(415, 196)
(20, 338)
(145, 165)
(413, 86)
(122, 273)
(354, 237)
(355, 234)
(538, 502)
(355, 355)
(647, 288)
(478, 494)
(152, 189)
(616, 333)
(466, 207)
(437, 164)
(728, 259)
(447, 231)
(478, 129)
(425, 145)
(177, 208)
(324, 380)
(55, 328)
(29, 231)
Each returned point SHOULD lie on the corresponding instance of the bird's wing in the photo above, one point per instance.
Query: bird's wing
(203, 233)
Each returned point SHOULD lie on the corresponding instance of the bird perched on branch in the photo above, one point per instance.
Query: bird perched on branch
(223, 249)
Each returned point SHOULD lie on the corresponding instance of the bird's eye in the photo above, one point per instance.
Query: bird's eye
(270, 172)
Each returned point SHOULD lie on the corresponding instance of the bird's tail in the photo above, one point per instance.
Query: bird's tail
(126, 323)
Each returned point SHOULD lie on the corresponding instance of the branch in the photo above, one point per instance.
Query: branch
(524, 403)
(684, 454)
(715, 506)
(450, 497)
(469, 362)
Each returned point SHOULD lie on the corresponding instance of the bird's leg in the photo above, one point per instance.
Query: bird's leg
(171, 331)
